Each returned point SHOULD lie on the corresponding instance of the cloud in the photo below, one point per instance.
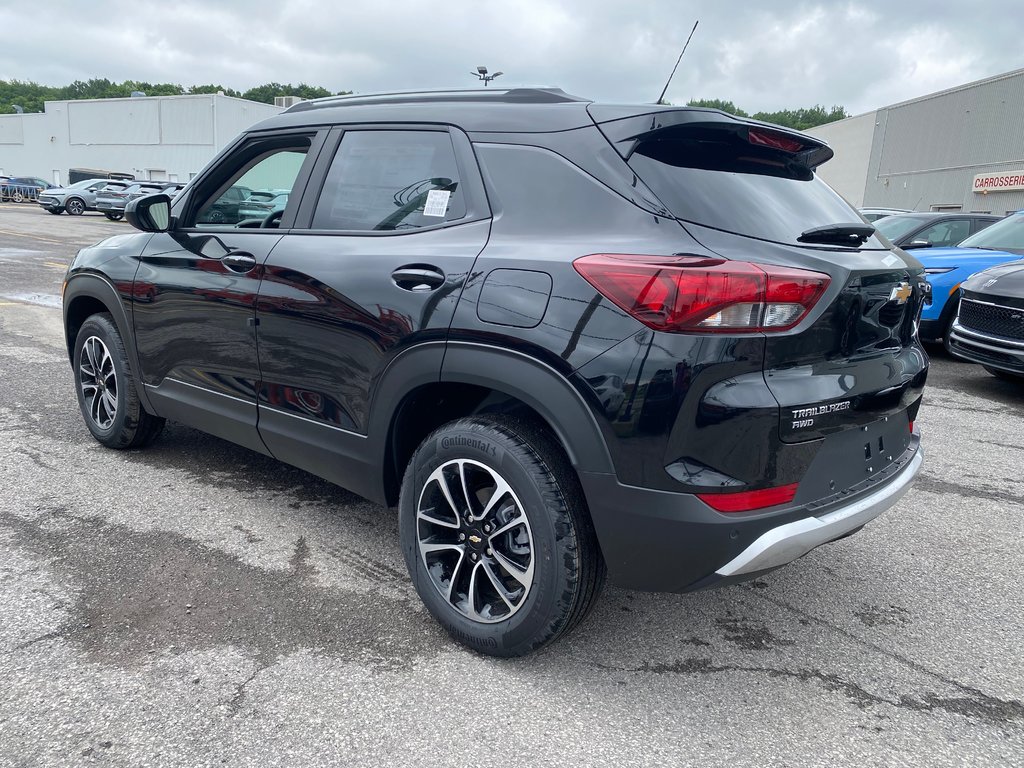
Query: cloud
(767, 55)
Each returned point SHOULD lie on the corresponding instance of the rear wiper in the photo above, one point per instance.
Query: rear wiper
(838, 234)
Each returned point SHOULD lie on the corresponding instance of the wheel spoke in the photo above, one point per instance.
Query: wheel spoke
(455, 575)
(437, 476)
(519, 519)
(465, 489)
(429, 549)
(498, 586)
(471, 592)
(501, 488)
(523, 576)
(430, 517)
(110, 402)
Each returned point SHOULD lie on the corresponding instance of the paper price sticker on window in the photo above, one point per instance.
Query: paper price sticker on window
(437, 203)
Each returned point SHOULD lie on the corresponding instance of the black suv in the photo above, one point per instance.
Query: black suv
(564, 338)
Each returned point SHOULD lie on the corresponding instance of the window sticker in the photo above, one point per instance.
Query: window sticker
(437, 203)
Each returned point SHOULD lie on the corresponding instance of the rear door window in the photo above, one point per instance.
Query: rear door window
(387, 181)
(720, 179)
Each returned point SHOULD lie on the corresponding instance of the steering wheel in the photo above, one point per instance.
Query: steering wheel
(272, 219)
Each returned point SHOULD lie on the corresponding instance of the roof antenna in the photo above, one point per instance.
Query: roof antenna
(665, 89)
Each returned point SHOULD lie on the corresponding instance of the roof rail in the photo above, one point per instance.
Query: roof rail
(507, 95)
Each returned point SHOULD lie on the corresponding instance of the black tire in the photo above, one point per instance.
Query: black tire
(1016, 378)
(74, 206)
(113, 216)
(54, 211)
(565, 560)
(129, 426)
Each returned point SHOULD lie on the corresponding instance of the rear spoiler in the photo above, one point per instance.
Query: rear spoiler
(626, 129)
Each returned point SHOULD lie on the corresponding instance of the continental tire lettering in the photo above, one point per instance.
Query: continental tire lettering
(470, 442)
(820, 410)
(478, 642)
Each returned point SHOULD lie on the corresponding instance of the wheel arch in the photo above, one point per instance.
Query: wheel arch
(470, 379)
(87, 295)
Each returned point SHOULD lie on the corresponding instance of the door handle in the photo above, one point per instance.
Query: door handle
(418, 277)
(239, 261)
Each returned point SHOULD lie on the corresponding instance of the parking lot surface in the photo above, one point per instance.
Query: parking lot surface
(197, 604)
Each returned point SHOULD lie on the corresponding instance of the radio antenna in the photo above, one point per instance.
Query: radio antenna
(665, 89)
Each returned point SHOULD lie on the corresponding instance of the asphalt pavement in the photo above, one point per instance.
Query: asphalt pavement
(197, 604)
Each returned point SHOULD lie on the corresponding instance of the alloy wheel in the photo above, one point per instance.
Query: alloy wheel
(98, 381)
(475, 540)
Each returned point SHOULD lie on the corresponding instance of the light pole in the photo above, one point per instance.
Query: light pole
(481, 74)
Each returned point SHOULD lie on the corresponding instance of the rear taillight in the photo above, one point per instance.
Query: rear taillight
(694, 294)
(747, 501)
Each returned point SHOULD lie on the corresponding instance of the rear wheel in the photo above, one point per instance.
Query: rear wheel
(496, 535)
(18, 196)
(106, 390)
(113, 216)
(74, 207)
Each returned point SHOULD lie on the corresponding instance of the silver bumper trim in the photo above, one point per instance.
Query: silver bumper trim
(788, 542)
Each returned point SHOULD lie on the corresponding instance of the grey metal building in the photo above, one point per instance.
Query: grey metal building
(159, 137)
(956, 150)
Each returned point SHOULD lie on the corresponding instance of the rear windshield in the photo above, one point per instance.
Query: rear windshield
(718, 180)
(1005, 234)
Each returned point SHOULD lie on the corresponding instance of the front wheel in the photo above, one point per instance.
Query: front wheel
(496, 535)
(106, 390)
(74, 207)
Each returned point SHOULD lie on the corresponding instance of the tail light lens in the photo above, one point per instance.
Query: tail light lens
(694, 294)
(747, 501)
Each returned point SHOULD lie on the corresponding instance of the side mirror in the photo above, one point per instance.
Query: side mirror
(916, 244)
(151, 213)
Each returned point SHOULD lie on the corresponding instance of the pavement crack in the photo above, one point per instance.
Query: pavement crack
(978, 706)
(238, 697)
(932, 484)
(975, 703)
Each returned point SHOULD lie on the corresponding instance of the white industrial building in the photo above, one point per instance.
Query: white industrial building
(961, 149)
(157, 137)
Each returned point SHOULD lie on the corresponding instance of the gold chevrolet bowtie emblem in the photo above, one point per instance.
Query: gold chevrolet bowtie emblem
(475, 539)
(901, 293)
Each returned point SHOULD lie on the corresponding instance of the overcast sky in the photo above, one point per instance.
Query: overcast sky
(761, 54)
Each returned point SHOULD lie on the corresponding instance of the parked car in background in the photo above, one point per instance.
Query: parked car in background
(19, 189)
(562, 337)
(113, 198)
(873, 214)
(947, 268)
(225, 209)
(76, 198)
(260, 205)
(932, 230)
(989, 327)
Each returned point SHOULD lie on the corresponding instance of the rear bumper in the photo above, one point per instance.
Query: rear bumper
(992, 351)
(786, 543)
(672, 542)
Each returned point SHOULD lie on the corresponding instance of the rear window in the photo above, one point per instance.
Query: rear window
(720, 180)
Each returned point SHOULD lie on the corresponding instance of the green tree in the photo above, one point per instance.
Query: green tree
(724, 106)
(267, 92)
(802, 119)
(214, 89)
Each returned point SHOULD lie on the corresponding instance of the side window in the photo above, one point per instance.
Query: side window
(391, 180)
(946, 232)
(262, 167)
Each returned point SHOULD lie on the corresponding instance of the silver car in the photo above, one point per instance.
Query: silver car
(75, 198)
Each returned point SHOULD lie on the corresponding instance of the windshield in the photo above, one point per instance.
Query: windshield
(1004, 235)
(895, 227)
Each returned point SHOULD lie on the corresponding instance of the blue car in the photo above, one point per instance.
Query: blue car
(947, 268)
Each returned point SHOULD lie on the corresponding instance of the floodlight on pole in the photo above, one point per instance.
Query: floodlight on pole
(481, 74)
